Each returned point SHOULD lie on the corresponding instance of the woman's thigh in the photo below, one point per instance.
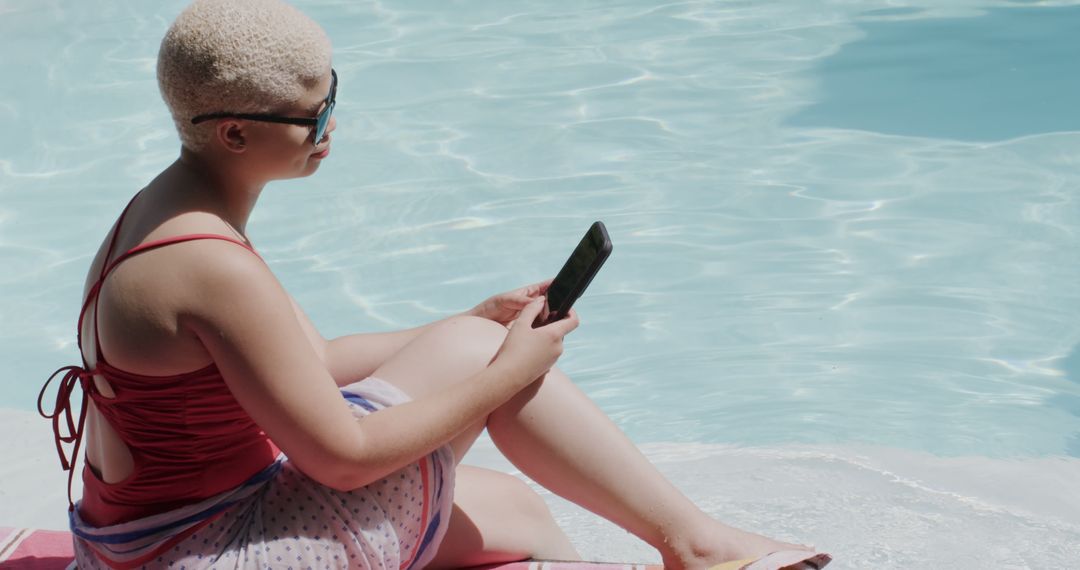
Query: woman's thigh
(498, 518)
(449, 353)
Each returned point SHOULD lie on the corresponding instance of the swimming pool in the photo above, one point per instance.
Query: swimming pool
(844, 234)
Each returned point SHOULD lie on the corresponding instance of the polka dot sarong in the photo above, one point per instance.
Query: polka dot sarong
(292, 521)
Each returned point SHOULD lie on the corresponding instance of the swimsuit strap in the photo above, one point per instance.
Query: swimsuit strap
(62, 416)
(104, 266)
(136, 250)
(73, 375)
(116, 232)
(169, 241)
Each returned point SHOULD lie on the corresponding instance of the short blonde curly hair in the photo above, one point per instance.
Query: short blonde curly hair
(240, 56)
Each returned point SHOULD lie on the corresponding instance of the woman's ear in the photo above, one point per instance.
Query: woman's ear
(232, 135)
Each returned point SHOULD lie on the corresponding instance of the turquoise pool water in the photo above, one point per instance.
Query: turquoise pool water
(846, 224)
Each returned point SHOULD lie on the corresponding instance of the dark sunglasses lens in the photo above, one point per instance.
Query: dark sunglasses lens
(323, 120)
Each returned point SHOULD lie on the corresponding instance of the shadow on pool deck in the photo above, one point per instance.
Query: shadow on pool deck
(1007, 73)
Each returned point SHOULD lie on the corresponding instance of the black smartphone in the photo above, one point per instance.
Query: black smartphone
(576, 274)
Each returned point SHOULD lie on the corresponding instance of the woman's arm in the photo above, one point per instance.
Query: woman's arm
(247, 323)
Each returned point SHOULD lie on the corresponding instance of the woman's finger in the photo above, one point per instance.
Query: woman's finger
(529, 312)
(566, 324)
(537, 288)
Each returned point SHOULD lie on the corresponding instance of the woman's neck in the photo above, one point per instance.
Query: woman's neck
(223, 189)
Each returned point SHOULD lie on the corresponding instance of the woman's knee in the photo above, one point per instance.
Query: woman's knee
(474, 338)
(449, 352)
(526, 502)
(471, 327)
(542, 537)
(498, 518)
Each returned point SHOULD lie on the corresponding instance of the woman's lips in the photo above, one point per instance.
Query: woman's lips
(323, 154)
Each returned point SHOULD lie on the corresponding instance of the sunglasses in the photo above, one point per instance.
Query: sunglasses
(319, 122)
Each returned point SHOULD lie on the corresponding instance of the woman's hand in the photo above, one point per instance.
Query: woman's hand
(505, 307)
(533, 351)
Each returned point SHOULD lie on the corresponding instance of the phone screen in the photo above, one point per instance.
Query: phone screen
(577, 272)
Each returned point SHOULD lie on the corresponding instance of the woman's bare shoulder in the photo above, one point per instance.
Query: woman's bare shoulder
(145, 298)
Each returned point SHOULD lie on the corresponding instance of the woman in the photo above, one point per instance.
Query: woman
(221, 430)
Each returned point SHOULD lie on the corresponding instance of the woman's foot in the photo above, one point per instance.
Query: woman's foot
(720, 543)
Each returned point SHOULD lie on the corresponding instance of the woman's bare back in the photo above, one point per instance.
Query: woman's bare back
(141, 303)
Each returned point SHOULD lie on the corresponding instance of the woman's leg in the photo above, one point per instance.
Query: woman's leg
(559, 438)
(498, 518)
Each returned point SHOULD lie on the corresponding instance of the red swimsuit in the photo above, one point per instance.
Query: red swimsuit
(188, 436)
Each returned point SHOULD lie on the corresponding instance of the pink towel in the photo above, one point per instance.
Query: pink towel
(32, 549)
(544, 565)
